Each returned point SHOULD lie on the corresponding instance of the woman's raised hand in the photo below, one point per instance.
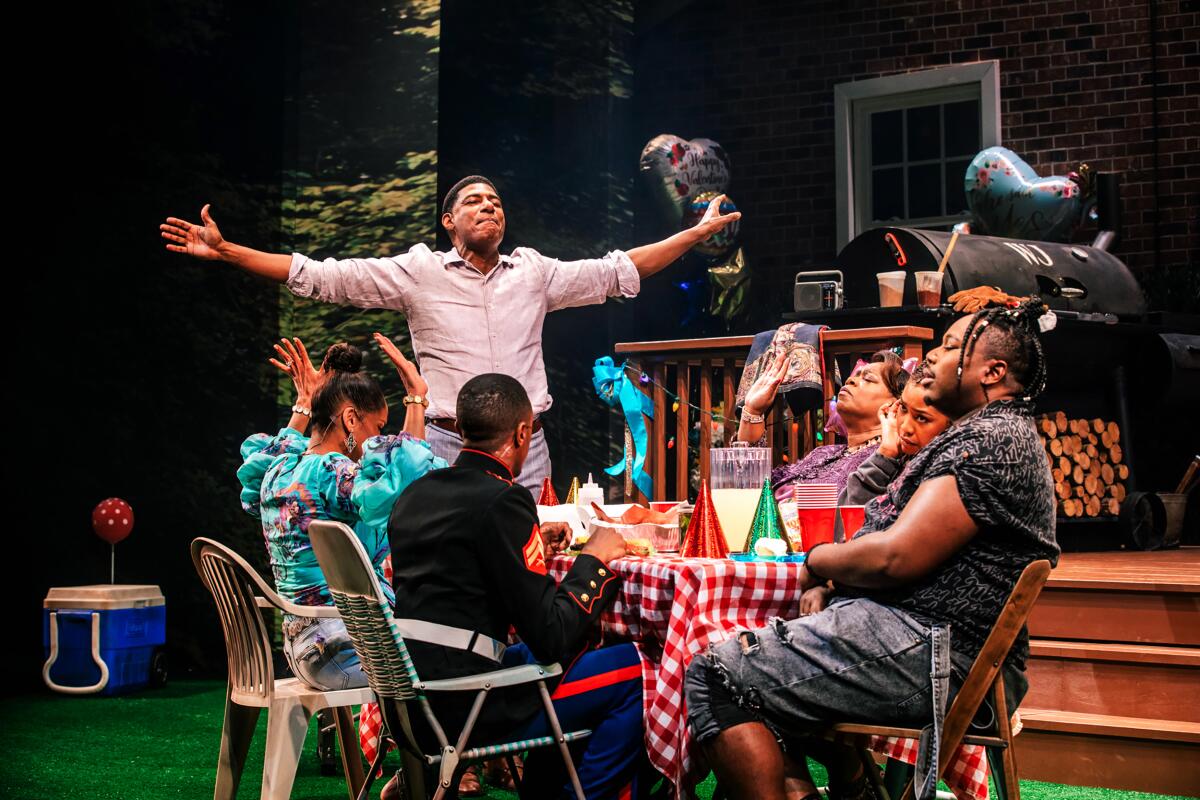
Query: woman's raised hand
(294, 361)
(409, 375)
(889, 430)
(761, 394)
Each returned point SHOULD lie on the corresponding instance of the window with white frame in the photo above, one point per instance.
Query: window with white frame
(904, 143)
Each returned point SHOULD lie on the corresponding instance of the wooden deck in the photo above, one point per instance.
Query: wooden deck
(1163, 571)
(1114, 673)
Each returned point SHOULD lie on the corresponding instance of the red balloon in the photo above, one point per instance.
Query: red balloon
(112, 519)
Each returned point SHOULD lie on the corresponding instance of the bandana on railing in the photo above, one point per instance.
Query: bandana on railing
(618, 391)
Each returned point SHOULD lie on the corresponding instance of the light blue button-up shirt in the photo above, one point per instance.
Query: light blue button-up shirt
(464, 323)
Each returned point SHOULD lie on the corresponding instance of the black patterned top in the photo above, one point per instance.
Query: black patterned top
(1000, 466)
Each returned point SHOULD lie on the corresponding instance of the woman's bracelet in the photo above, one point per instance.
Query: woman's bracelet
(416, 399)
(753, 419)
(299, 409)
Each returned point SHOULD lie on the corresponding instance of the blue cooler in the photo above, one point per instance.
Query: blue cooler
(105, 639)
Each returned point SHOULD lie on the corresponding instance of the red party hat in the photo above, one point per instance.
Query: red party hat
(548, 498)
(704, 538)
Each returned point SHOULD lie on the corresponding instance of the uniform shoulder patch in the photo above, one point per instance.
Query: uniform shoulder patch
(535, 555)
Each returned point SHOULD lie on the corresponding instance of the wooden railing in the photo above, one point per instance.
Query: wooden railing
(678, 366)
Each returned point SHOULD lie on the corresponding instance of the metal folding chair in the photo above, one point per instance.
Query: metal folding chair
(379, 639)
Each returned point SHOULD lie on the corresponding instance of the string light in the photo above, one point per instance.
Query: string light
(677, 401)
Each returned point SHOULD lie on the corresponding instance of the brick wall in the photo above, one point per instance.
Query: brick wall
(1076, 85)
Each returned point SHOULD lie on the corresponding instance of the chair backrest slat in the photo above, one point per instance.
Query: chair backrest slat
(247, 638)
(364, 609)
(986, 669)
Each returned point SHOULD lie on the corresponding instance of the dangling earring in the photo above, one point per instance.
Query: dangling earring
(350, 442)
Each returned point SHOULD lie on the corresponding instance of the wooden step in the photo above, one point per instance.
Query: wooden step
(1166, 571)
(1116, 616)
(1113, 651)
(1166, 730)
(1127, 753)
(1151, 598)
(1115, 679)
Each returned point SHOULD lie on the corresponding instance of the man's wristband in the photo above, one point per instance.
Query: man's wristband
(808, 562)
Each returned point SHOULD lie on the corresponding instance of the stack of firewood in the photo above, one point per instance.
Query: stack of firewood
(1087, 464)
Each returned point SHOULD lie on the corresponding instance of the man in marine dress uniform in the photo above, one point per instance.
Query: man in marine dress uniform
(468, 553)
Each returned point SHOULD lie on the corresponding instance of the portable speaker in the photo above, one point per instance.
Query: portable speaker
(819, 290)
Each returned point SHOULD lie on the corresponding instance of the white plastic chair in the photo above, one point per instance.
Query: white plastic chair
(379, 639)
(252, 684)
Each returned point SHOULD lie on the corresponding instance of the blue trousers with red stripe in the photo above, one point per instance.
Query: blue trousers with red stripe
(601, 691)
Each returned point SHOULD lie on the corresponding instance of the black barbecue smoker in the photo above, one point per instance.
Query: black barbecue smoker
(1110, 358)
(1070, 277)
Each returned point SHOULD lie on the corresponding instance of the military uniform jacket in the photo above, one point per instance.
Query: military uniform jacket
(467, 552)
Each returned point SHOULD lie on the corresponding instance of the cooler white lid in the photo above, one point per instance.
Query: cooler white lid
(104, 596)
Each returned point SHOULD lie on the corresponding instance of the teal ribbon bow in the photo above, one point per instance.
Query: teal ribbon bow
(617, 390)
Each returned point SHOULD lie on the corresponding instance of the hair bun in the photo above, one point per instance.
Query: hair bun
(343, 357)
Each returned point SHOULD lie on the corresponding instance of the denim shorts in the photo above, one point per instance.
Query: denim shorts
(320, 653)
(857, 660)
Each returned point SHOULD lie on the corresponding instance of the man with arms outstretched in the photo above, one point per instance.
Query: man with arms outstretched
(471, 310)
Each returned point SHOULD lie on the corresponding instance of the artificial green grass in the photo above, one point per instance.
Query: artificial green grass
(163, 744)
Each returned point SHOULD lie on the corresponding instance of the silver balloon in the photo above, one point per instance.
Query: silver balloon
(677, 170)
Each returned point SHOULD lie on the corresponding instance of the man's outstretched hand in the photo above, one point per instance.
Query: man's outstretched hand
(713, 220)
(650, 258)
(200, 241)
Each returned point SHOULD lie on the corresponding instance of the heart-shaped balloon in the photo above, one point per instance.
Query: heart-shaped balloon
(677, 170)
(1007, 198)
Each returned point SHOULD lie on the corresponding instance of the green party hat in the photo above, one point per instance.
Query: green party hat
(766, 524)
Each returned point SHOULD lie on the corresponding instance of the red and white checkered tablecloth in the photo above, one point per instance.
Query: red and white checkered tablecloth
(673, 608)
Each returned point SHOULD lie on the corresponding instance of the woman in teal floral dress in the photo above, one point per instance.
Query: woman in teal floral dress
(347, 471)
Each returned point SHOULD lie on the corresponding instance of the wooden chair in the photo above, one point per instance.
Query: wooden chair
(982, 681)
(379, 640)
(252, 684)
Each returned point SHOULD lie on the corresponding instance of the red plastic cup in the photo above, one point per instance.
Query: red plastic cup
(816, 525)
(852, 519)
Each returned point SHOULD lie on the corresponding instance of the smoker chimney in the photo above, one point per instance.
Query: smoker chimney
(1108, 207)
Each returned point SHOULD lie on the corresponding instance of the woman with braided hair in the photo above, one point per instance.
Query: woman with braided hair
(916, 592)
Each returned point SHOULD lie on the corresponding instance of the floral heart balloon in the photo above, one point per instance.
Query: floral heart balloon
(677, 170)
(1007, 198)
